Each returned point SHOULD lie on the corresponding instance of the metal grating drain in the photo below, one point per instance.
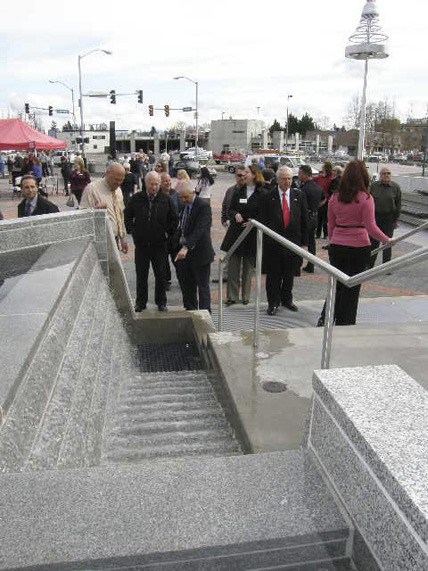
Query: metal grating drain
(274, 387)
(168, 357)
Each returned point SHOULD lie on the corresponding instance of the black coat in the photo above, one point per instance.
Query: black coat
(248, 209)
(150, 226)
(197, 234)
(43, 206)
(297, 230)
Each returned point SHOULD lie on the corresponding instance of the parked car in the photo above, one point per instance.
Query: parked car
(192, 167)
(203, 155)
(281, 160)
(229, 157)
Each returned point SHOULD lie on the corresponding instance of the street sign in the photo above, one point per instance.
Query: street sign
(62, 111)
(187, 109)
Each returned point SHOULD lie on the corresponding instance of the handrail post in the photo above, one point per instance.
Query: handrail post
(220, 296)
(329, 321)
(259, 257)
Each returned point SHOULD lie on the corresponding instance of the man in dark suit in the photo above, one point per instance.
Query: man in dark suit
(152, 218)
(33, 204)
(195, 254)
(314, 195)
(285, 212)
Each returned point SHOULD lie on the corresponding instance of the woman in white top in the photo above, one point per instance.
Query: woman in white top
(204, 183)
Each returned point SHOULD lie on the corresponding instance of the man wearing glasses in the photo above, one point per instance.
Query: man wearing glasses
(387, 198)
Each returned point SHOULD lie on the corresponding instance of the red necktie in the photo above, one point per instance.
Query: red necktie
(285, 211)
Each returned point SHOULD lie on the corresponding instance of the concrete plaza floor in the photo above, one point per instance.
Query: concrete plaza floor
(309, 289)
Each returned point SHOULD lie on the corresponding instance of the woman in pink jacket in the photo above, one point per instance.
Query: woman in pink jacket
(351, 222)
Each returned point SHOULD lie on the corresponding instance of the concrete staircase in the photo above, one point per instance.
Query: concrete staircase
(167, 414)
(105, 466)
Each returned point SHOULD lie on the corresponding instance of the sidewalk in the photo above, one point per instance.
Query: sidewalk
(309, 289)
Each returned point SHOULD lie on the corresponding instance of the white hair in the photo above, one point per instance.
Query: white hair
(284, 170)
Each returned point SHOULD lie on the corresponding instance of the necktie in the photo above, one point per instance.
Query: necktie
(285, 211)
(27, 208)
(184, 220)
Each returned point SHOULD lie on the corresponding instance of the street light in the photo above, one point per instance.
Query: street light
(80, 57)
(286, 133)
(367, 42)
(72, 96)
(196, 113)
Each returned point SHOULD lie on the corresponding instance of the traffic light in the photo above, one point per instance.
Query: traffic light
(113, 97)
(140, 95)
(151, 110)
(27, 108)
(166, 110)
(50, 110)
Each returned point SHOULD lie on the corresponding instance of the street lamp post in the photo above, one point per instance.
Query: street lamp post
(72, 96)
(79, 59)
(367, 42)
(197, 110)
(286, 132)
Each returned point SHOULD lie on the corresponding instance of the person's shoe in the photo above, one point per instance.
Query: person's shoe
(324, 247)
(245, 301)
(139, 307)
(230, 302)
(290, 305)
(162, 307)
(308, 270)
(320, 322)
(272, 310)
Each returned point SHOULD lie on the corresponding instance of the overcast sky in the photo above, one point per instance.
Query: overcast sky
(245, 55)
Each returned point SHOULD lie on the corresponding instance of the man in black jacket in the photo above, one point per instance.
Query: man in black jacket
(33, 204)
(193, 260)
(151, 217)
(285, 212)
(314, 195)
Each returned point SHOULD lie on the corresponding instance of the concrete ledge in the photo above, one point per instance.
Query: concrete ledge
(250, 507)
(369, 433)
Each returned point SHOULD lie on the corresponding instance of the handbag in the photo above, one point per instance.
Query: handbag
(70, 201)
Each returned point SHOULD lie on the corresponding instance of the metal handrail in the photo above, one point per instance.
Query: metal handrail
(394, 241)
(334, 276)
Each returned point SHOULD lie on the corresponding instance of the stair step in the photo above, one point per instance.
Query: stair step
(143, 392)
(170, 426)
(176, 450)
(154, 400)
(174, 415)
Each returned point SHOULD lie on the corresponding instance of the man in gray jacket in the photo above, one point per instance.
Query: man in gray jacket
(387, 198)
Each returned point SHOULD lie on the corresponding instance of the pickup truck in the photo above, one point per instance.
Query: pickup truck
(230, 157)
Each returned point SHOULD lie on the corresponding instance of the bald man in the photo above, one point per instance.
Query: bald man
(106, 193)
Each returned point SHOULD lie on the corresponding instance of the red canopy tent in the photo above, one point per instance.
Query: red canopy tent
(15, 135)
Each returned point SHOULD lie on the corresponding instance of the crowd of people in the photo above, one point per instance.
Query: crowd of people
(171, 226)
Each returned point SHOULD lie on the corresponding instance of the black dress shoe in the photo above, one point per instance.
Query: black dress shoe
(272, 310)
(308, 270)
(230, 302)
(139, 307)
(320, 322)
(290, 305)
(162, 307)
(245, 301)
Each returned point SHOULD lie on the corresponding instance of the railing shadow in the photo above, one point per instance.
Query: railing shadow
(334, 275)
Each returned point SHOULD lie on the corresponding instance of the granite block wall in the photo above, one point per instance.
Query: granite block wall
(369, 433)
